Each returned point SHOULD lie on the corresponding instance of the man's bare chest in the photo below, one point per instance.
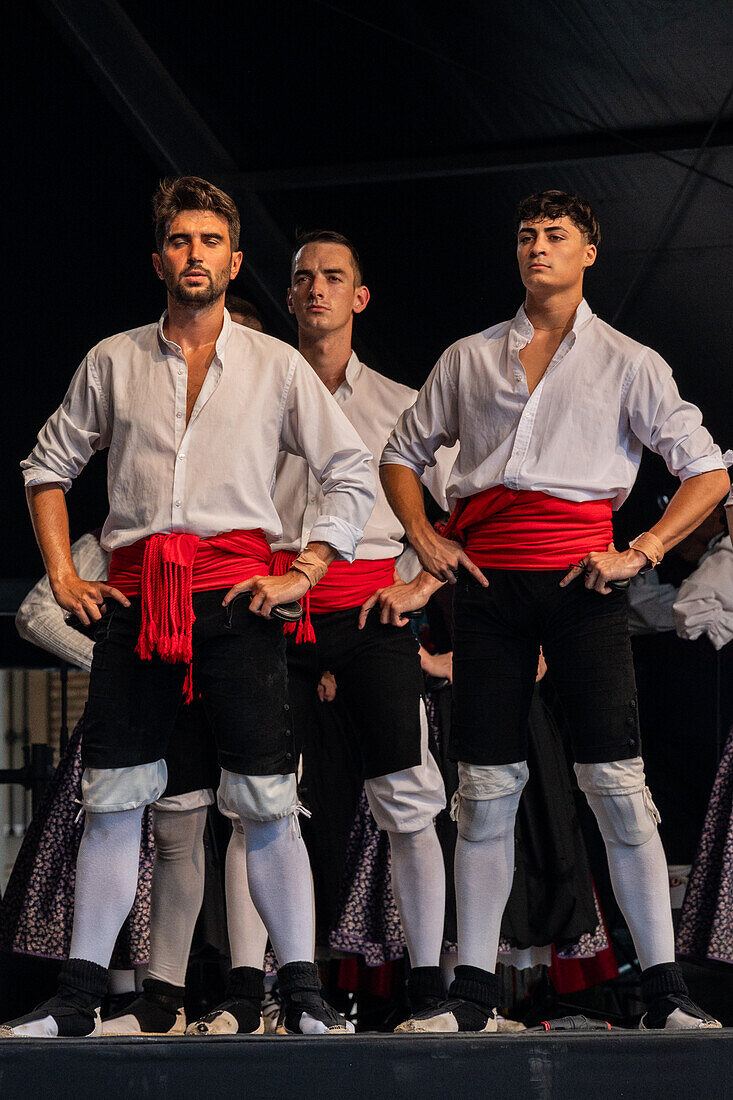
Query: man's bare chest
(198, 362)
(536, 358)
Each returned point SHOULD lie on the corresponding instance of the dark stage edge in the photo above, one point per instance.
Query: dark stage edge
(380, 1067)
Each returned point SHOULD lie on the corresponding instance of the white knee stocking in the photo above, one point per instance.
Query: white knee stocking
(640, 882)
(279, 879)
(247, 933)
(627, 818)
(484, 869)
(106, 882)
(178, 890)
(418, 882)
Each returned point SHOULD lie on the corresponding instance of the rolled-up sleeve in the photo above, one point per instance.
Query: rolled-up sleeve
(69, 438)
(430, 423)
(315, 428)
(704, 604)
(41, 621)
(667, 424)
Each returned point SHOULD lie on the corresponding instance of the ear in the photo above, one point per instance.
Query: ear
(590, 255)
(236, 264)
(361, 299)
(157, 265)
(289, 300)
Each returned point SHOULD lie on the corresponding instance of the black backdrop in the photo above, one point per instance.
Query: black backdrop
(413, 133)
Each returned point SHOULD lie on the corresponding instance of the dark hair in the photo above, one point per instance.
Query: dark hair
(192, 193)
(235, 304)
(559, 204)
(330, 237)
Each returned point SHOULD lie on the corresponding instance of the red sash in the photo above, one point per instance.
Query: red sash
(504, 528)
(345, 585)
(166, 569)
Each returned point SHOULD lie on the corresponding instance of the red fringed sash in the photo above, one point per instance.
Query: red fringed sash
(165, 570)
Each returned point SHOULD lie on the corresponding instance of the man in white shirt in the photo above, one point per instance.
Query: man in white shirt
(194, 412)
(377, 668)
(552, 410)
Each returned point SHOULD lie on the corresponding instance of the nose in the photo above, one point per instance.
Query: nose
(318, 286)
(195, 251)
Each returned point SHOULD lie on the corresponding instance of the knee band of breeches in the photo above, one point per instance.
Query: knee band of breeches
(257, 797)
(485, 804)
(620, 799)
(112, 790)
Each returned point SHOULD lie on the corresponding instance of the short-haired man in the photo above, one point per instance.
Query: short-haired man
(377, 668)
(194, 412)
(552, 410)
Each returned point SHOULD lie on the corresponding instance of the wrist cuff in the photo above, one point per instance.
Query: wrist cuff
(311, 566)
(651, 547)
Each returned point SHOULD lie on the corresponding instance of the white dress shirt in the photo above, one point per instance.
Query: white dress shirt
(41, 621)
(373, 404)
(578, 436)
(217, 472)
(704, 603)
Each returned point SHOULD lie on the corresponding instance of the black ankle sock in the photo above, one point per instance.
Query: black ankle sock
(660, 985)
(246, 982)
(165, 994)
(481, 987)
(245, 994)
(156, 1008)
(298, 976)
(82, 983)
(425, 987)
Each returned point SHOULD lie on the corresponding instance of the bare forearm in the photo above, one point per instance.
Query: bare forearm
(693, 501)
(50, 519)
(404, 494)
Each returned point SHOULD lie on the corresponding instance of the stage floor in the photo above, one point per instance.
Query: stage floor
(573, 1066)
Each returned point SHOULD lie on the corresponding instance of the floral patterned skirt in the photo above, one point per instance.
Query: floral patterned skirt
(705, 928)
(37, 911)
(368, 923)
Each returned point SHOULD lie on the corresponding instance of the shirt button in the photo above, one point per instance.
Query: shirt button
(181, 458)
(178, 416)
(286, 706)
(177, 503)
(181, 370)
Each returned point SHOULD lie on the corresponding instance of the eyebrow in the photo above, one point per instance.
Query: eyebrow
(549, 229)
(187, 236)
(326, 271)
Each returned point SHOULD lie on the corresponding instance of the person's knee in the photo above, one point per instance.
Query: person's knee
(409, 801)
(178, 834)
(621, 801)
(257, 797)
(485, 804)
(112, 790)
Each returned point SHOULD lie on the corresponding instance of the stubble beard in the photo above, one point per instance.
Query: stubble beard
(196, 297)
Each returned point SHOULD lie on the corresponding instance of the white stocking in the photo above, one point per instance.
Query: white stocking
(178, 890)
(279, 879)
(247, 933)
(106, 882)
(640, 881)
(418, 882)
(484, 869)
